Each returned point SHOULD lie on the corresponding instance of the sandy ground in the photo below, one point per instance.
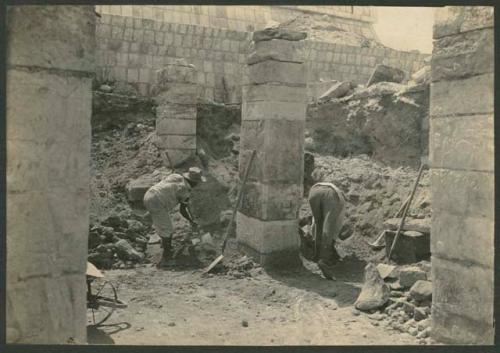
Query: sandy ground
(295, 307)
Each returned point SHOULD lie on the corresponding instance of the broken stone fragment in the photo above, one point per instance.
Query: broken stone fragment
(375, 293)
(419, 314)
(127, 252)
(278, 33)
(409, 275)
(421, 291)
(419, 225)
(387, 271)
(338, 90)
(385, 73)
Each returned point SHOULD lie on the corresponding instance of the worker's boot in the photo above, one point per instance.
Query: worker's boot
(166, 257)
(328, 261)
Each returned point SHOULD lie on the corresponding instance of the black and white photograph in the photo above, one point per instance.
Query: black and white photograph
(249, 175)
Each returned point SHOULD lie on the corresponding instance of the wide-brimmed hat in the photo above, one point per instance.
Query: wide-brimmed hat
(194, 174)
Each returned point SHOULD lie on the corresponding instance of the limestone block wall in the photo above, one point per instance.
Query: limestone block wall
(462, 179)
(273, 123)
(246, 18)
(131, 49)
(49, 77)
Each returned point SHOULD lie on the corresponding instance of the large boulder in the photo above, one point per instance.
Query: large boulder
(375, 293)
(126, 251)
(410, 275)
(421, 291)
(385, 73)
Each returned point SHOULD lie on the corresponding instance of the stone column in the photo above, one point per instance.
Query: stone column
(462, 178)
(273, 122)
(176, 110)
(49, 80)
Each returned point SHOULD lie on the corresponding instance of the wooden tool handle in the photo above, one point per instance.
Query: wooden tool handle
(406, 211)
(240, 196)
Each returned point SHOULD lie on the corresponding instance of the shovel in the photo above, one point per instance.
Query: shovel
(235, 209)
(378, 244)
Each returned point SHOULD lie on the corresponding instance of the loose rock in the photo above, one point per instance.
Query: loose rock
(374, 293)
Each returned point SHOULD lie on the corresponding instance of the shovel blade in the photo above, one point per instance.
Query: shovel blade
(213, 264)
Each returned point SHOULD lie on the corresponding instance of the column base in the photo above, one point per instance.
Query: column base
(280, 259)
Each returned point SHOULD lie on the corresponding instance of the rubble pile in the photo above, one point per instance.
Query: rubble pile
(374, 194)
(406, 307)
(387, 121)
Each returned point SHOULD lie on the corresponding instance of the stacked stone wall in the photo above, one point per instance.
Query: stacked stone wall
(132, 49)
(462, 181)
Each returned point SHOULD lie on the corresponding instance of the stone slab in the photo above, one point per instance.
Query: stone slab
(183, 142)
(419, 225)
(176, 111)
(277, 72)
(278, 33)
(463, 193)
(462, 142)
(463, 55)
(462, 290)
(175, 73)
(474, 95)
(271, 202)
(275, 93)
(385, 73)
(462, 237)
(451, 20)
(273, 110)
(267, 237)
(60, 37)
(175, 127)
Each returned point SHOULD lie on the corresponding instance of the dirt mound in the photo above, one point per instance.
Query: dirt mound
(385, 121)
(374, 193)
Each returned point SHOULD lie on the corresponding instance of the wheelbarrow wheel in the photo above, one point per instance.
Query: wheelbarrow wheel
(102, 303)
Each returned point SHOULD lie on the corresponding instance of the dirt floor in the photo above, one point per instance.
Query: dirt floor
(298, 307)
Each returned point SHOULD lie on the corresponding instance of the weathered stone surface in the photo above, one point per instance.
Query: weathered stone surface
(280, 50)
(469, 238)
(411, 224)
(175, 127)
(384, 73)
(422, 76)
(181, 142)
(468, 96)
(175, 73)
(463, 55)
(51, 37)
(272, 201)
(274, 110)
(451, 20)
(274, 93)
(421, 291)
(419, 314)
(409, 275)
(317, 89)
(338, 90)
(375, 293)
(126, 252)
(475, 199)
(137, 188)
(267, 236)
(463, 142)
(178, 156)
(464, 292)
(176, 111)
(278, 33)
(277, 72)
(180, 93)
(387, 271)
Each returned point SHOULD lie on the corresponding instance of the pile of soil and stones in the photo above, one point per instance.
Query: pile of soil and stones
(399, 298)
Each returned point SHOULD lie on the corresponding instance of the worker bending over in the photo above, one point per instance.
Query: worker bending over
(163, 197)
(328, 209)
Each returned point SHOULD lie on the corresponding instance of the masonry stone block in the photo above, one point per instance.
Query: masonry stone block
(176, 111)
(462, 142)
(452, 20)
(273, 110)
(179, 93)
(176, 126)
(276, 92)
(464, 238)
(280, 50)
(183, 142)
(468, 96)
(473, 301)
(463, 55)
(275, 71)
(475, 198)
(42, 43)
